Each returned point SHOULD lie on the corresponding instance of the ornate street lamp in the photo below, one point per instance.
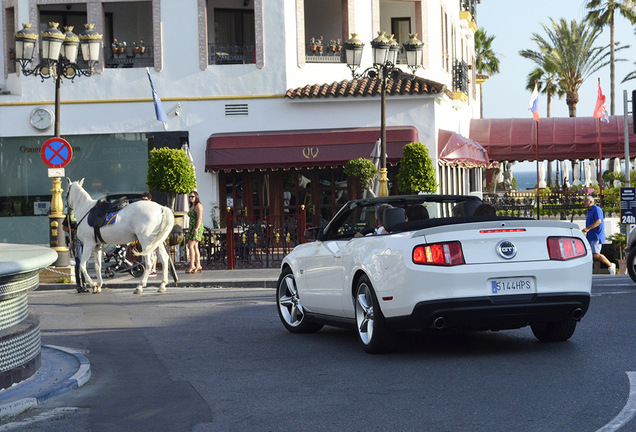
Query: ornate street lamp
(385, 52)
(59, 57)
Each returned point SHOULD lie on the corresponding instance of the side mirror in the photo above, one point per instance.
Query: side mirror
(313, 234)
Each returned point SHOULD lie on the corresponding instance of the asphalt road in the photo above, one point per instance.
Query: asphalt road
(206, 359)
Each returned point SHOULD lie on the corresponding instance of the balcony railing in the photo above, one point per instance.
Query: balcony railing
(460, 76)
(469, 6)
(129, 58)
(231, 54)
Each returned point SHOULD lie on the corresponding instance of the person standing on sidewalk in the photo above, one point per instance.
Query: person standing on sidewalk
(195, 232)
(595, 232)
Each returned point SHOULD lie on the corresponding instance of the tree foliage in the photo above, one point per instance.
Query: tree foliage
(603, 13)
(170, 171)
(570, 48)
(363, 169)
(486, 61)
(416, 172)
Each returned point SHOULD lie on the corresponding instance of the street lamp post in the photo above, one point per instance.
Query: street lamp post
(59, 57)
(385, 51)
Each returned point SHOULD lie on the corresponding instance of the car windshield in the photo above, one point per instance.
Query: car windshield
(359, 216)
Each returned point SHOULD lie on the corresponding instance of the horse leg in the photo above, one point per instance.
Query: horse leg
(165, 262)
(144, 277)
(86, 254)
(98, 269)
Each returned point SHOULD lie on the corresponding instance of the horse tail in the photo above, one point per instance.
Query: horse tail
(165, 228)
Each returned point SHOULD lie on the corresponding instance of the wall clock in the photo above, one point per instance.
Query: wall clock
(42, 118)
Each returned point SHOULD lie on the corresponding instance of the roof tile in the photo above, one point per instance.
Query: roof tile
(408, 84)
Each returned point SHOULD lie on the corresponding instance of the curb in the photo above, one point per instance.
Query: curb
(258, 283)
(78, 379)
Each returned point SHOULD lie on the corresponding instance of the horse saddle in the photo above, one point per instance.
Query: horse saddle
(105, 213)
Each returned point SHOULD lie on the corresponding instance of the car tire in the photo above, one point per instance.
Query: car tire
(631, 264)
(554, 331)
(290, 308)
(373, 333)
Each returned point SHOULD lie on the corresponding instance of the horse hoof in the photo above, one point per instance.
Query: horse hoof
(138, 291)
(162, 289)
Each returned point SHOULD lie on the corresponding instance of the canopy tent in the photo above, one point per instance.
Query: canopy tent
(456, 150)
(560, 138)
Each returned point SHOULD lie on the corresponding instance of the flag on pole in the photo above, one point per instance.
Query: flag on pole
(159, 111)
(534, 103)
(600, 110)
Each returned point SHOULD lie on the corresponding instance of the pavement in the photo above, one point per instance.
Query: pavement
(238, 278)
(64, 369)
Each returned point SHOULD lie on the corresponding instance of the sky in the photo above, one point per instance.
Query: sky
(505, 93)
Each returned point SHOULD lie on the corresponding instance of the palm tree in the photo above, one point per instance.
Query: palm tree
(570, 49)
(601, 13)
(486, 61)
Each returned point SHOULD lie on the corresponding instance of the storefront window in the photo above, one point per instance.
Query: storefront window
(109, 164)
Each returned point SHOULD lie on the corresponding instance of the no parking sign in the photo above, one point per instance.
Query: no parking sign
(56, 152)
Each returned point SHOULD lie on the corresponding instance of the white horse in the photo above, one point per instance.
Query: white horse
(145, 221)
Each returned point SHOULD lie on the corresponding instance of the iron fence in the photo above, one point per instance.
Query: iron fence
(245, 243)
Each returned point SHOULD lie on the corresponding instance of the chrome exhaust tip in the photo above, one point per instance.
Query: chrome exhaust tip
(439, 323)
(577, 314)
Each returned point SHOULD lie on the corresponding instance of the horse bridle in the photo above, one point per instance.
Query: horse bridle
(69, 210)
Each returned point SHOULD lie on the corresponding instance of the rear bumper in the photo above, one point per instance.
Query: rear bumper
(486, 313)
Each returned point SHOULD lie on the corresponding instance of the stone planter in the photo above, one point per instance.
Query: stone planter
(20, 267)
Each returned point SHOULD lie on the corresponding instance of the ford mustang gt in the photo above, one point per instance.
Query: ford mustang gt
(452, 271)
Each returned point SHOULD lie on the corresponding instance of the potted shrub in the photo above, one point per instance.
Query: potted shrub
(416, 173)
(170, 171)
(364, 170)
(315, 44)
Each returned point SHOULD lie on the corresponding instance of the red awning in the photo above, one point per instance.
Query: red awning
(301, 148)
(560, 138)
(454, 149)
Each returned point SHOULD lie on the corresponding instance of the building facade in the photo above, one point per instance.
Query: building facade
(270, 119)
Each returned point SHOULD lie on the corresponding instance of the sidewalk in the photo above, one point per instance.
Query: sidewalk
(239, 278)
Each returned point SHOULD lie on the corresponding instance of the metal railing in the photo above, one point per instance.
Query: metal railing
(231, 54)
(244, 244)
(555, 205)
(129, 57)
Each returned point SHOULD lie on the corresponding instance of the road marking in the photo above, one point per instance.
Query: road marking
(46, 415)
(629, 410)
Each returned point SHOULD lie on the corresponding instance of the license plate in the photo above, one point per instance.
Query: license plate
(523, 285)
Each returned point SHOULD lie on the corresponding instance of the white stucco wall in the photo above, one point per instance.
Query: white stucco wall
(118, 100)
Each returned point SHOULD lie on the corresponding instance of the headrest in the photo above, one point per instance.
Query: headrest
(468, 207)
(392, 217)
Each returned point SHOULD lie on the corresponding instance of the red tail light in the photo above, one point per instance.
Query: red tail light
(445, 254)
(565, 248)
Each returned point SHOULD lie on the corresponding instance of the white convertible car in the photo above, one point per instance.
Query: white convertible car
(443, 273)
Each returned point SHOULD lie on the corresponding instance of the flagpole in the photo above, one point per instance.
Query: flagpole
(600, 162)
(537, 156)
